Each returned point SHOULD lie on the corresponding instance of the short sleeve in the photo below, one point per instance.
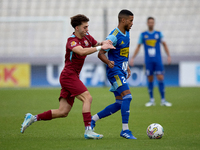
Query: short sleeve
(140, 41)
(72, 42)
(113, 39)
(161, 37)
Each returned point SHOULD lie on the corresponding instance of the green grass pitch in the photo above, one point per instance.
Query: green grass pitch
(181, 122)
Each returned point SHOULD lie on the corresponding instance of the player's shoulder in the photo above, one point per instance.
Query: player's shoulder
(72, 41)
(114, 32)
(157, 31)
(144, 32)
(72, 37)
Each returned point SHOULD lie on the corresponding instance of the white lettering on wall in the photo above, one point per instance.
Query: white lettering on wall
(50, 75)
(94, 75)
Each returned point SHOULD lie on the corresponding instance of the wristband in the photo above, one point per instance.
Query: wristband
(98, 48)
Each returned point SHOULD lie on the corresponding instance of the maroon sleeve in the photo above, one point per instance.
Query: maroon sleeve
(72, 42)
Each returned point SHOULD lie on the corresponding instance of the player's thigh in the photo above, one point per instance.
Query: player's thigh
(73, 84)
(117, 95)
(64, 93)
(120, 84)
(149, 68)
(159, 69)
(125, 93)
(64, 106)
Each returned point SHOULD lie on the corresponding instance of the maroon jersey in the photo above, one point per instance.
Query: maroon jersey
(73, 61)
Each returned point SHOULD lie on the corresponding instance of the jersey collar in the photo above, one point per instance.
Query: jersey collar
(121, 32)
(152, 32)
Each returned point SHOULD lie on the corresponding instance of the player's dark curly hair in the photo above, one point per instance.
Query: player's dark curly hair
(78, 19)
(124, 13)
(149, 18)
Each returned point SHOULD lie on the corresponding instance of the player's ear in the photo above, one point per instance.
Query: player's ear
(123, 20)
(77, 28)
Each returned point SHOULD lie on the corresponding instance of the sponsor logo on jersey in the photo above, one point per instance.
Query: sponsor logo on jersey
(121, 43)
(86, 43)
(73, 43)
(124, 52)
(151, 42)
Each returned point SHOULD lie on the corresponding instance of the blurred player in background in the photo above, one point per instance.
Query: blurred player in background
(153, 60)
(78, 46)
(118, 71)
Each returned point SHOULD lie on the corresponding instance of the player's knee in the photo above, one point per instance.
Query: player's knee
(89, 98)
(160, 77)
(86, 97)
(127, 97)
(150, 78)
(64, 114)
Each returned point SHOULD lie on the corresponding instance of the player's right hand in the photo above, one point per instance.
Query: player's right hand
(106, 46)
(111, 64)
(131, 62)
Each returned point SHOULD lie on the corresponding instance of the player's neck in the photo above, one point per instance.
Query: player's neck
(78, 35)
(122, 29)
(151, 30)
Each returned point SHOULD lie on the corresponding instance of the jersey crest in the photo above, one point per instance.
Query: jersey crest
(73, 43)
(86, 43)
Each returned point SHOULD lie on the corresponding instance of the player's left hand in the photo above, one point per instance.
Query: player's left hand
(107, 46)
(169, 60)
(129, 72)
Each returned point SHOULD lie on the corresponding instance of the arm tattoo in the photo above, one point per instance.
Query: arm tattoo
(98, 44)
(101, 53)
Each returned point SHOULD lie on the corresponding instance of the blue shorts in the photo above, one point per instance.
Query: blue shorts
(118, 83)
(154, 68)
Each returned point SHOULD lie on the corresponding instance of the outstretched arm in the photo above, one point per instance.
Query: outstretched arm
(104, 42)
(167, 52)
(86, 51)
(134, 55)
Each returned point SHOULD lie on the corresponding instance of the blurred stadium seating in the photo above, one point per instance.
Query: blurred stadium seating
(38, 42)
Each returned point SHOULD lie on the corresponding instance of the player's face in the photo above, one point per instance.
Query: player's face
(128, 23)
(150, 24)
(83, 29)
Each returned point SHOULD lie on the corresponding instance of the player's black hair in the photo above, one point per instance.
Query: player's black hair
(78, 19)
(124, 13)
(149, 18)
